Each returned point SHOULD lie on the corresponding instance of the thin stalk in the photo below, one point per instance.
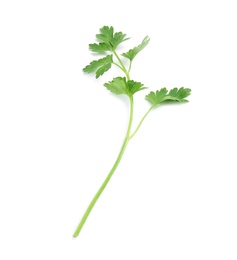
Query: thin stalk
(122, 65)
(118, 65)
(141, 122)
(130, 66)
(104, 184)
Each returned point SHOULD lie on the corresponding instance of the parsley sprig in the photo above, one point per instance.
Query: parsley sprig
(107, 44)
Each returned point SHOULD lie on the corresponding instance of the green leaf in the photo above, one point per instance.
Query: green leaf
(157, 97)
(134, 86)
(120, 85)
(118, 38)
(162, 95)
(108, 40)
(117, 86)
(99, 66)
(178, 95)
(133, 52)
(100, 48)
(106, 34)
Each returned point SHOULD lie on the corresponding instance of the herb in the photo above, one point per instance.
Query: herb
(108, 41)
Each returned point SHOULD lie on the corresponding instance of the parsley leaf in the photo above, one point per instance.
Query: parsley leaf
(117, 86)
(118, 38)
(161, 96)
(179, 95)
(134, 86)
(108, 40)
(106, 34)
(133, 52)
(120, 86)
(157, 97)
(99, 66)
(100, 48)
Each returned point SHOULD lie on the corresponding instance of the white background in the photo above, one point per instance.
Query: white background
(174, 194)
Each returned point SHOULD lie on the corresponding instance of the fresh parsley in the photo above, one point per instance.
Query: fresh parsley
(121, 85)
(107, 43)
(133, 52)
(99, 66)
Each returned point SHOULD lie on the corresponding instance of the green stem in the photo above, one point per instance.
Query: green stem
(117, 65)
(122, 65)
(141, 122)
(130, 66)
(104, 184)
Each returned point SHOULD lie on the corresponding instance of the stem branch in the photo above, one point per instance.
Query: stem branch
(122, 65)
(117, 65)
(141, 122)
